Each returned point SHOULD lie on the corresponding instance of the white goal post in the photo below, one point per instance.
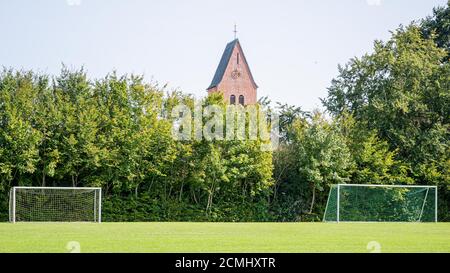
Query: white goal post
(55, 204)
(381, 203)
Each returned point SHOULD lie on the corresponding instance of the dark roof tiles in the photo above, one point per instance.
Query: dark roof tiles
(223, 64)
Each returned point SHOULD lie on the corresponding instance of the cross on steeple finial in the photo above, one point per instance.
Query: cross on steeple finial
(235, 31)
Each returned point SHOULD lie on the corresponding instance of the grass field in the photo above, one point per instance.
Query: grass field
(225, 237)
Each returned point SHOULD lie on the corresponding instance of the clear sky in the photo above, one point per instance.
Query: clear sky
(293, 47)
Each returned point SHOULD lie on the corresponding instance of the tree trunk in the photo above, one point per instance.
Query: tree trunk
(43, 178)
(151, 184)
(181, 190)
(193, 196)
(210, 198)
(313, 199)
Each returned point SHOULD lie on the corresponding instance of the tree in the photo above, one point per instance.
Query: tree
(374, 162)
(323, 157)
(19, 139)
(401, 92)
(437, 27)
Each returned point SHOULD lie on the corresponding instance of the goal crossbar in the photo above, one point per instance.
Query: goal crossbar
(385, 186)
(59, 188)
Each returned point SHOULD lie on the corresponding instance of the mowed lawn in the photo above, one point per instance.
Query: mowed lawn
(225, 237)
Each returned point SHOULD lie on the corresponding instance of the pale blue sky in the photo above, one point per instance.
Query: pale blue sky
(293, 47)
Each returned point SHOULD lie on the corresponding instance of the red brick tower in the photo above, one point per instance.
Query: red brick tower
(233, 77)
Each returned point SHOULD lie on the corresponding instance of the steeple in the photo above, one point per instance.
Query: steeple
(233, 76)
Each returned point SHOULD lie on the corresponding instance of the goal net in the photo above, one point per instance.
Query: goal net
(381, 203)
(55, 204)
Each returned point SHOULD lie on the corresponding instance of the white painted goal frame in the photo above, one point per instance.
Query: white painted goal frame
(96, 204)
(339, 186)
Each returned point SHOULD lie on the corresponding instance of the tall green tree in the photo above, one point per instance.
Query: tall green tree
(401, 91)
(19, 139)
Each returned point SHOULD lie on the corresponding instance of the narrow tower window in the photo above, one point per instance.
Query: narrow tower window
(232, 99)
(241, 99)
(238, 58)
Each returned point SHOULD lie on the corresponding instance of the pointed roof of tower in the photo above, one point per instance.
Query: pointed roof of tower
(220, 71)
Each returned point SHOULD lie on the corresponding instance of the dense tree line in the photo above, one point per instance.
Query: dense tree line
(386, 122)
(115, 133)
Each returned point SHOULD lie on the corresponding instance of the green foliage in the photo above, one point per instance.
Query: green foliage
(315, 157)
(116, 133)
(147, 208)
(400, 96)
(374, 162)
(437, 26)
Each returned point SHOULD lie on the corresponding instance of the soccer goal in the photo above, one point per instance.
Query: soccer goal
(55, 204)
(381, 203)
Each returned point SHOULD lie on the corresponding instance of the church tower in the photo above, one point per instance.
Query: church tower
(233, 77)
